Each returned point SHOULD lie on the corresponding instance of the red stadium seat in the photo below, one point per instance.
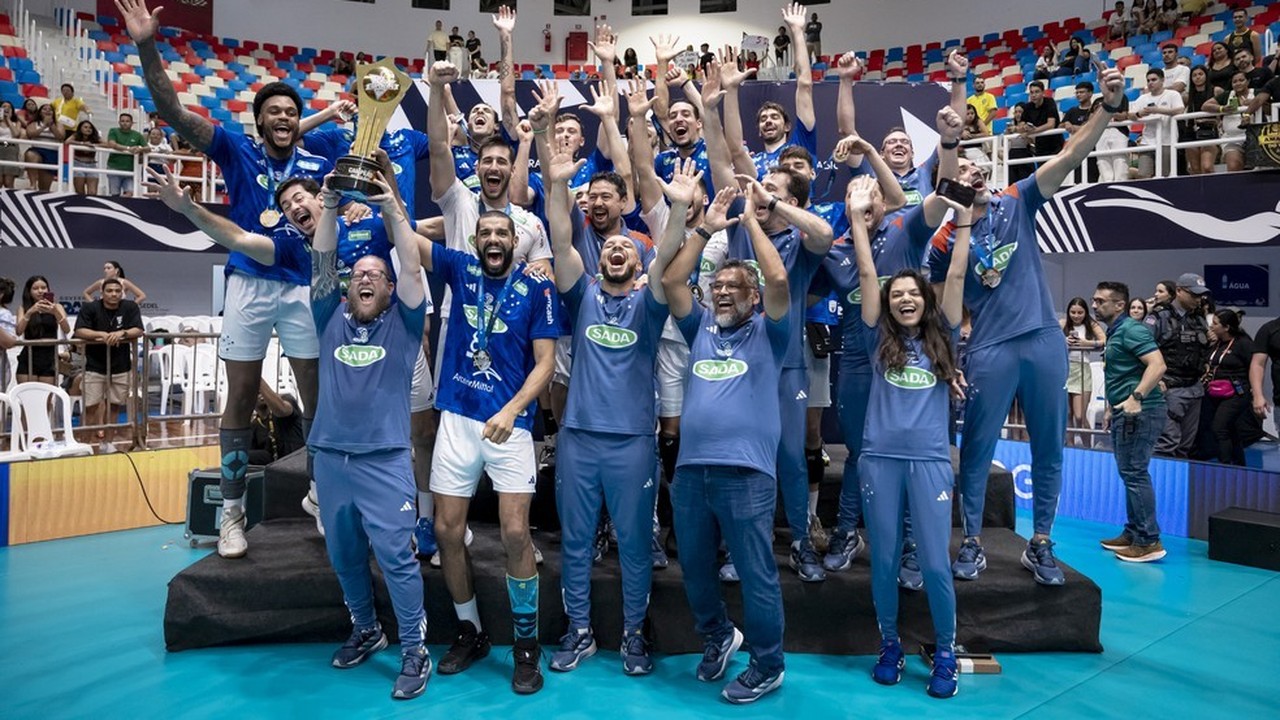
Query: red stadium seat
(255, 87)
(401, 61)
(122, 68)
(226, 74)
(271, 48)
(200, 110)
(1204, 48)
(249, 45)
(35, 91)
(289, 50)
(306, 67)
(11, 51)
(318, 104)
(996, 91)
(1128, 60)
(938, 76)
(237, 106)
(191, 79)
(6, 74)
(277, 72)
(312, 84)
(179, 86)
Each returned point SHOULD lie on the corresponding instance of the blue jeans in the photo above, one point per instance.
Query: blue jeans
(740, 501)
(1134, 439)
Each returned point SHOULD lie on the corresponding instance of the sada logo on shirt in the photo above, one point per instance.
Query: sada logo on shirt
(716, 370)
(499, 326)
(855, 297)
(911, 378)
(1000, 259)
(614, 338)
(358, 355)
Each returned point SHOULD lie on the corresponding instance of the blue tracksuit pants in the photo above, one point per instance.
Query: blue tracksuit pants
(793, 469)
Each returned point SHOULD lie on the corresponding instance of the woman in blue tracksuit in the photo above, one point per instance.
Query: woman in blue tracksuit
(905, 455)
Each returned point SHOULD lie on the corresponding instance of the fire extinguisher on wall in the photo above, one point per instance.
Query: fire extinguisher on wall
(546, 38)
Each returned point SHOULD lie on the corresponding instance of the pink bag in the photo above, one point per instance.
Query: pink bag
(1221, 389)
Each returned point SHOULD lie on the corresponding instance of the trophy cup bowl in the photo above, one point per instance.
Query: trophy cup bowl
(379, 89)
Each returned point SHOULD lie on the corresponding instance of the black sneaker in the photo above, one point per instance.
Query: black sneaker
(359, 647)
(527, 678)
(468, 647)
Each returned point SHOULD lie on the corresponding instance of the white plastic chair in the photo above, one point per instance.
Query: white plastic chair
(13, 454)
(204, 375)
(1098, 398)
(173, 361)
(39, 438)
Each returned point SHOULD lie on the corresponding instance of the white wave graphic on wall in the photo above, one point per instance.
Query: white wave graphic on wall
(1253, 230)
(194, 240)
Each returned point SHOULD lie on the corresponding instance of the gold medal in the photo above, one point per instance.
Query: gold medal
(269, 218)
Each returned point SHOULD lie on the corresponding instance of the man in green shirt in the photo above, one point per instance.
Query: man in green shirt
(125, 138)
(1136, 413)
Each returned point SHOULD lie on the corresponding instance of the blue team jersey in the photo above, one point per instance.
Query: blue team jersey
(588, 242)
(366, 371)
(731, 412)
(615, 349)
(827, 310)
(917, 183)
(1005, 237)
(252, 177)
(898, 245)
(806, 138)
(665, 165)
(596, 162)
(801, 266)
(908, 411)
(404, 147)
(367, 237)
(528, 311)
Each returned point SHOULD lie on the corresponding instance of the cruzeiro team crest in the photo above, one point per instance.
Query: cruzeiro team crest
(855, 297)
(358, 356)
(716, 370)
(608, 336)
(1000, 258)
(911, 378)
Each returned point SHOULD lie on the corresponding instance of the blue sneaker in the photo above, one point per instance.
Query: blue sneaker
(636, 657)
(751, 685)
(728, 573)
(359, 647)
(945, 680)
(424, 536)
(888, 669)
(843, 549)
(1038, 558)
(970, 561)
(716, 654)
(910, 577)
(576, 645)
(657, 554)
(804, 560)
(415, 669)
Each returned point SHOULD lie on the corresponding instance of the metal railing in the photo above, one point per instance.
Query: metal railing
(67, 168)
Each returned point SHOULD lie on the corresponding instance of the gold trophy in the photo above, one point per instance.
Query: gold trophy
(379, 89)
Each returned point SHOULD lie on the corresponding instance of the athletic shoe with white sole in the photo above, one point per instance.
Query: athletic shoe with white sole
(637, 657)
(359, 647)
(970, 561)
(716, 654)
(841, 551)
(944, 681)
(910, 576)
(312, 507)
(231, 541)
(1142, 553)
(1118, 542)
(888, 668)
(751, 685)
(415, 670)
(1039, 559)
(804, 560)
(575, 646)
(657, 554)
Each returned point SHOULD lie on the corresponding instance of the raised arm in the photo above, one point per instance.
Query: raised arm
(953, 292)
(558, 170)
(324, 247)
(409, 288)
(505, 23)
(143, 26)
(337, 109)
(848, 68)
(777, 292)
(854, 145)
(731, 78)
(681, 191)
(675, 281)
(93, 288)
(1051, 175)
(958, 69)
(606, 51)
(604, 106)
(815, 233)
(664, 51)
(793, 15)
(138, 296)
(442, 172)
(859, 202)
(219, 229)
(648, 189)
(949, 127)
(708, 104)
(543, 115)
(518, 190)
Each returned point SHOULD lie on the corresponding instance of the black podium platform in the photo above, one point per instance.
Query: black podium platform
(285, 591)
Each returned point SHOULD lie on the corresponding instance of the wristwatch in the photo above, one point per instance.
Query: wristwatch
(1137, 396)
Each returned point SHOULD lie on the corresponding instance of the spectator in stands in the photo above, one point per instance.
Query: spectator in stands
(1074, 60)
(1076, 117)
(455, 38)
(1164, 293)
(1040, 114)
(813, 38)
(1192, 8)
(1117, 29)
(8, 329)
(1262, 98)
(984, 102)
(110, 325)
(130, 142)
(1227, 384)
(473, 47)
(1200, 159)
(10, 133)
(86, 140)
(1183, 336)
(342, 65)
(1138, 309)
(45, 128)
(480, 68)
(276, 425)
(1221, 67)
(1019, 146)
(705, 57)
(1234, 106)
(438, 43)
(69, 107)
(1242, 36)
(1084, 336)
(974, 128)
(157, 144)
(30, 111)
(1176, 75)
(1156, 108)
(1266, 346)
(1046, 64)
(1170, 16)
(1150, 17)
(39, 318)
(780, 45)
(1134, 19)
(1257, 76)
(113, 270)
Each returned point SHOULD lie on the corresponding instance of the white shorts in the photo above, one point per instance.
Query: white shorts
(253, 307)
(673, 368)
(564, 360)
(819, 378)
(462, 455)
(423, 395)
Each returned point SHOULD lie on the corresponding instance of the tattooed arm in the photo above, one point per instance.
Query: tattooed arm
(143, 25)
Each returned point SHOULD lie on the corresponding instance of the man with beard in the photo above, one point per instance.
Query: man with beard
(801, 239)
(264, 292)
(725, 484)
(610, 413)
(773, 123)
(1016, 348)
(499, 357)
(482, 120)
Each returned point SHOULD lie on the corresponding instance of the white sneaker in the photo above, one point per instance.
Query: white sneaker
(312, 508)
(231, 542)
(466, 540)
(537, 554)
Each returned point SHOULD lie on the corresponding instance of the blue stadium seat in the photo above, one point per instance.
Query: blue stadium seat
(237, 68)
(221, 114)
(202, 70)
(1154, 58)
(10, 88)
(107, 20)
(990, 38)
(286, 66)
(324, 69)
(1220, 35)
(915, 78)
(231, 42)
(170, 31)
(27, 77)
(200, 45)
(99, 35)
(308, 52)
(1162, 36)
(1068, 104)
(528, 75)
(1136, 40)
(224, 93)
(211, 101)
(129, 49)
(998, 125)
(1132, 93)
(1055, 83)
(237, 85)
(894, 54)
(114, 57)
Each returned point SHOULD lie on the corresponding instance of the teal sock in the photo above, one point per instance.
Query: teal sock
(524, 606)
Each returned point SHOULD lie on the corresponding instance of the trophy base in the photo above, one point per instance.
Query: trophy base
(353, 177)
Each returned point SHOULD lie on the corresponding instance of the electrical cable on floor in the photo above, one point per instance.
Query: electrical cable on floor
(142, 486)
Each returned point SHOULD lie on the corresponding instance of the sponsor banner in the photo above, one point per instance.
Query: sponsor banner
(1239, 285)
(69, 221)
(193, 15)
(1262, 145)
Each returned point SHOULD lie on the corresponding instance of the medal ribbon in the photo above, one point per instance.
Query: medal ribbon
(483, 329)
(271, 177)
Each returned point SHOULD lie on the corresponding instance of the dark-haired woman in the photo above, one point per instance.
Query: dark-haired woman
(39, 318)
(1083, 335)
(113, 269)
(906, 459)
(1227, 384)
